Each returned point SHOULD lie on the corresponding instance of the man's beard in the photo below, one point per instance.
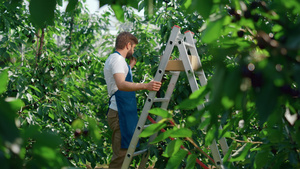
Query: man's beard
(129, 54)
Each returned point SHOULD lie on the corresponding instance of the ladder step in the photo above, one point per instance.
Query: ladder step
(199, 73)
(161, 99)
(140, 152)
(172, 72)
(188, 45)
(145, 126)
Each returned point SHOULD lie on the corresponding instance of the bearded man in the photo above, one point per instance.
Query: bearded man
(122, 114)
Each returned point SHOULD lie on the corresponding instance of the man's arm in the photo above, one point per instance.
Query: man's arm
(129, 86)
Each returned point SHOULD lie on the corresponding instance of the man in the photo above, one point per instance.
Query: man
(122, 115)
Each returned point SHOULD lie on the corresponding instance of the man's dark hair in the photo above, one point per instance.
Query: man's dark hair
(124, 38)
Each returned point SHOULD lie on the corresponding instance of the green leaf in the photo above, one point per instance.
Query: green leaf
(175, 160)
(213, 30)
(191, 161)
(196, 98)
(232, 85)
(202, 7)
(227, 103)
(15, 1)
(133, 3)
(228, 154)
(14, 104)
(9, 107)
(51, 115)
(78, 124)
(42, 12)
(34, 88)
(104, 2)
(88, 90)
(182, 132)
(241, 153)
(65, 97)
(82, 158)
(294, 40)
(275, 135)
(261, 159)
(60, 2)
(187, 3)
(46, 153)
(3, 81)
(152, 129)
(225, 132)
(91, 159)
(49, 139)
(266, 102)
(94, 129)
(172, 148)
(204, 123)
(191, 120)
(199, 93)
(276, 28)
(292, 4)
(71, 5)
(76, 158)
(119, 12)
(211, 135)
(160, 112)
(162, 136)
(196, 118)
(46, 149)
(293, 158)
(296, 74)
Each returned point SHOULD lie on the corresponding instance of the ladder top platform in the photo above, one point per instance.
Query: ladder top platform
(177, 65)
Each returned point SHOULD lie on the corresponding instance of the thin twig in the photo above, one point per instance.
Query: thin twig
(198, 148)
(193, 143)
(31, 104)
(242, 141)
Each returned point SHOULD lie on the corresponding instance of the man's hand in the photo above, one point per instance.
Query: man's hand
(132, 61)
(129, 86)
(153, 86)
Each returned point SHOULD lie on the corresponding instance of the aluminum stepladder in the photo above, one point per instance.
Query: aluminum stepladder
(185, 43)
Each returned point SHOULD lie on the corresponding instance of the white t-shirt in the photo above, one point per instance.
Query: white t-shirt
(115, 63)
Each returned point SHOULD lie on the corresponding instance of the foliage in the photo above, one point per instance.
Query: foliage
(254, 85)
(43, 147)
(60, 82)
(54, 98)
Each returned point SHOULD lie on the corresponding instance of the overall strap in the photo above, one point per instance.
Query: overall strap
(109, 102)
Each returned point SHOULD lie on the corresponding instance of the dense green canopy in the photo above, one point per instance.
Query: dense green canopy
(53, 95)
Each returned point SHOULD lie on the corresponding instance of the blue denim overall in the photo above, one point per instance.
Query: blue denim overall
(127, 111)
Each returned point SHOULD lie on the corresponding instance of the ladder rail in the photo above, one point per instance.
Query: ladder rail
(203, 81)
(164, 105)
(189, 38)
(166, 56)
(194, 86)
(187, 66)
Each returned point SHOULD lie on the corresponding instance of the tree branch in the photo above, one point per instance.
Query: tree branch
(41, 40)
(71, 30)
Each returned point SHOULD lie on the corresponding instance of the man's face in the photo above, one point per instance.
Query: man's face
(131, 51)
